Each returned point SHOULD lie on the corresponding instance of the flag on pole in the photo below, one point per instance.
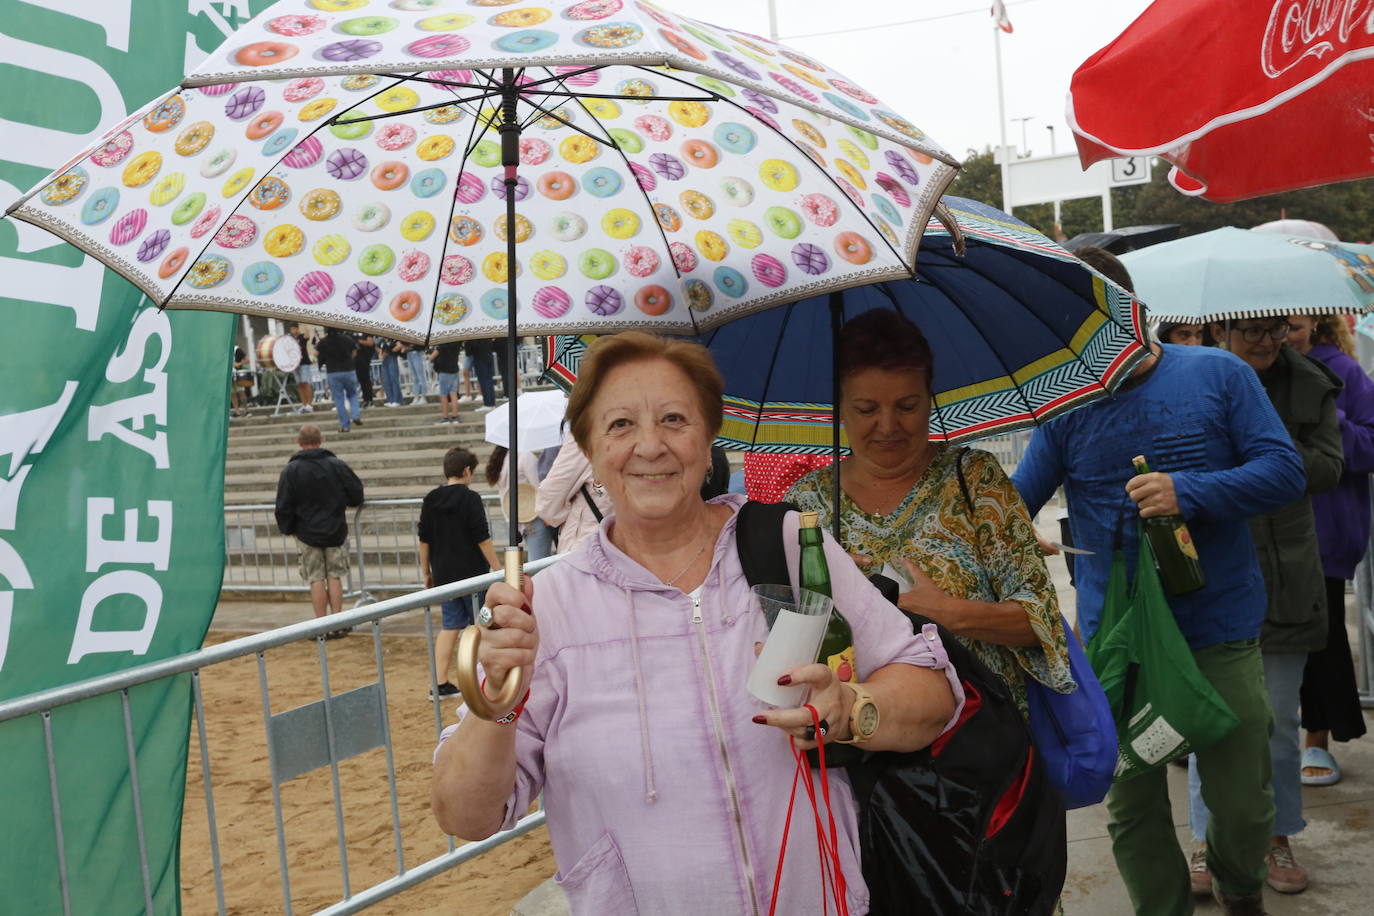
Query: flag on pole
(999, 15)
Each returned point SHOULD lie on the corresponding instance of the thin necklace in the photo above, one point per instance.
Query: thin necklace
(696, 556)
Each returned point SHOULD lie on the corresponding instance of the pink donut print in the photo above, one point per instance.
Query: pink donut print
(820, 210)
(890, 185)
(293, 26)
(533, 151)
(768, 270)
(764, 117)
(794, 87)
(583, 79)
(305, 154)
(593, 9)
(395, 136)
(413, 265)
(644, 177)
(314, 287)
(551, 302)
(237, 232)
(655, 128)
(853, 91)
(452, 76)
(684, 258)
(301, 89)
(851, 191)
(207, 221)
(470, 189)
(445, 44)
(640, 261)
(128, 227)
(456, 270)
(113, 151)
(218, 89)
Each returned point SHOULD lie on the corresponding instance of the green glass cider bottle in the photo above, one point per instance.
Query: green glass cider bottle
(1180, 570)
(837, 647)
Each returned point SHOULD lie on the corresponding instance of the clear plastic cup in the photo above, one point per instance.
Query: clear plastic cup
(796, 625)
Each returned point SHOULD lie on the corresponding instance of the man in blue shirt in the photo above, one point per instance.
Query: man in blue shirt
(1219, 454)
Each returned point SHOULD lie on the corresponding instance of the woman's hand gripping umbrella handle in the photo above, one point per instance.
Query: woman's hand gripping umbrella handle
(513, 688)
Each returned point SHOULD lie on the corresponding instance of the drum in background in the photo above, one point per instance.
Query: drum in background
(282, 353)
(264, 349)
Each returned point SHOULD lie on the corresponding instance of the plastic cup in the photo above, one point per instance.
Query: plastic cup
(796, 625)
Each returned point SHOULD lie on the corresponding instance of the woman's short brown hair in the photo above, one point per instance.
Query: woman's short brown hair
(884, 339)
(613, 351)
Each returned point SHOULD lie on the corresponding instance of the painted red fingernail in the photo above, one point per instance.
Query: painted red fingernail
(760, 720)
(784, 680)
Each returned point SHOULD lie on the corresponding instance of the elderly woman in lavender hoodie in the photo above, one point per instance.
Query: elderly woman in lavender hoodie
(1330, 697)
(666, 783)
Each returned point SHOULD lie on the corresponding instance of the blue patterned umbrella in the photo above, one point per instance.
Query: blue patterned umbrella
(1020, 329)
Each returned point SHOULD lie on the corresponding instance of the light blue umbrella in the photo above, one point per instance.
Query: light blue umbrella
(1239, 273)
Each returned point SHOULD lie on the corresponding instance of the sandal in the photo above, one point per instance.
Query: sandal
(1320, 758)
(338, 634)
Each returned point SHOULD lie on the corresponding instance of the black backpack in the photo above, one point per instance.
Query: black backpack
(969, 825)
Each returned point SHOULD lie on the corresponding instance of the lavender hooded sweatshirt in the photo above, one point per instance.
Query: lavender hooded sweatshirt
(1343, 513)
(662, 795)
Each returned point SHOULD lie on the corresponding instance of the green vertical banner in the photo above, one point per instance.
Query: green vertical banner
(112, 442)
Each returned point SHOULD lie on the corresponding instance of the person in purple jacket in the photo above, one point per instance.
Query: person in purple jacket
(665, 781)
(1330, 697)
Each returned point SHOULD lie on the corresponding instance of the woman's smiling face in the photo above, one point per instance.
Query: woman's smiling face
(650, 447)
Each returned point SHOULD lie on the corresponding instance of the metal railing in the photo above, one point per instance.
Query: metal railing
(299, 740)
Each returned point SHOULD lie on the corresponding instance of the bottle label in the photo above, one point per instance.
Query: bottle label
(1185, 541)
(843, 664)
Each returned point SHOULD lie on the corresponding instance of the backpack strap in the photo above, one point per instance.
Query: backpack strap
(591, 504)
(758, 538)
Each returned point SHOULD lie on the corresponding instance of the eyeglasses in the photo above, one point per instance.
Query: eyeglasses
(1256, 333)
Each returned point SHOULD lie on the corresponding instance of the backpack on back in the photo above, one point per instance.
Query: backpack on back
(971, 824)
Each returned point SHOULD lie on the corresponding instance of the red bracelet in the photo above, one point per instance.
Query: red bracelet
(514, 714)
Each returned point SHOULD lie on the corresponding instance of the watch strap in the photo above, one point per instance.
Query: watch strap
(862, 698)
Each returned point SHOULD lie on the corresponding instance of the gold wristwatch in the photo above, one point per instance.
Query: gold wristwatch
(863, 716)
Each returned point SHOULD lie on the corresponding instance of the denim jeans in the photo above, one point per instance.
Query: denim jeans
(1282, 679)
(391, 378)
(538, 540)
(483, 367)
(343, 387)
(419, 383)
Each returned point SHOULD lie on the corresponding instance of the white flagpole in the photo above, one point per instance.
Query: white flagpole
(1002, 116)
(773, 19)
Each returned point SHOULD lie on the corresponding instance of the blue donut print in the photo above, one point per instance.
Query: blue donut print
(526, 41)
(602, 182)
(730, 282)
(427, 182)
(886, 210)
(493, 302)
(279, 141)
(735, 138)
(262, 278)
(848, 107)
(100, 206)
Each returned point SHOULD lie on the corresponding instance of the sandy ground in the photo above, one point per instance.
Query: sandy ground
(242, 791)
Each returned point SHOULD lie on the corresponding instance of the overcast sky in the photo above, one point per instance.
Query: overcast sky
(941, 73)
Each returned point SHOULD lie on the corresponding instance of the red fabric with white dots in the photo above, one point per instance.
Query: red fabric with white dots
(768, 475)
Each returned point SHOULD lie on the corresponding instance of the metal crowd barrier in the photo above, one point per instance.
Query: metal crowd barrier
(300, 740)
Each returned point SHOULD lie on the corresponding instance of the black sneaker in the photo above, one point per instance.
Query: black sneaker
(445, 691)
(358, 422)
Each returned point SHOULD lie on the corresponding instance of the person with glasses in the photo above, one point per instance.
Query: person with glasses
(1303, 392)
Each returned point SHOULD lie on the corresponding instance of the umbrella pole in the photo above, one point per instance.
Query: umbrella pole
(513, 689)
(836, 320)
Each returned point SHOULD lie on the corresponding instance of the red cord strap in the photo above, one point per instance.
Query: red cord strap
(832, 877)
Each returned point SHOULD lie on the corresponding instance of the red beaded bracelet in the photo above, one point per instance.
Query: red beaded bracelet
(514, 714)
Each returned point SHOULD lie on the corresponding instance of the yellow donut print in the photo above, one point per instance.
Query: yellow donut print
(194, 138)
(417, 226)
(494, 267)
(435, 147)
(142, 169)
(809, 133)
(398, 98)
(804, 74)
(317, 109)
(331, 249)
(548, 265)
(523, 228)
(620, 223)
(578, 149)
(320, 204)
(848, 171)
(689, 114)
(283, 241)
(167, 188)
(338, 6)
(523, 18)
(605, 109)
(697, 204)
(447, 22)
(745, 233)
(711, 246)
(856, 155)
(237, 182)
(778, 174)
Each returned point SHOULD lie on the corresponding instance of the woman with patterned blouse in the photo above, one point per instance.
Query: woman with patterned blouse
(966, 555)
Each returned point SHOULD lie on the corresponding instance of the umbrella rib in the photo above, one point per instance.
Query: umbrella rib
(843, 194)
(210, 237)
(567, 123)
(473, 138)
(561, 81)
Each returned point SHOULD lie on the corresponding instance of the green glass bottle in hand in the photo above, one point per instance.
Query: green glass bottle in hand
(1180, 570)
(837, 648)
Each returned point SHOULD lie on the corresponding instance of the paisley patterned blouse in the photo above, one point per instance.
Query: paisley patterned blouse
(992, 556)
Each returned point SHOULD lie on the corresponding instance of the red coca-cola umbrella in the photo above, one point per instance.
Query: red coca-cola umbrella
(1244, 97)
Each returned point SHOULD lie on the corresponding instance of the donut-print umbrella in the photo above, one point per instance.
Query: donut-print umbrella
(1020, 329)
(355, 163)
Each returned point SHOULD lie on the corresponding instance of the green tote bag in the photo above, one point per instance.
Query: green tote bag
(1164, 708)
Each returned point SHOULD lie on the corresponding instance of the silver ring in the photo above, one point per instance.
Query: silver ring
(485, 618)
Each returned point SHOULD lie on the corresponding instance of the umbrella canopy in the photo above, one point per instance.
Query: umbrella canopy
(1303, 227)
(539, 424)
(1243, 98)
(349, 164)
(1238, 273)
(1127, 238)
(1020, 329)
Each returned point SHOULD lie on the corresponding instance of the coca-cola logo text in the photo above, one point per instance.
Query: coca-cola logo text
(1299, 29)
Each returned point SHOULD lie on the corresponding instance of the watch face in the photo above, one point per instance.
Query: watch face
(868, 719)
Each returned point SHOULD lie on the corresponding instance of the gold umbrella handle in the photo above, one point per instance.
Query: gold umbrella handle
(516, 682)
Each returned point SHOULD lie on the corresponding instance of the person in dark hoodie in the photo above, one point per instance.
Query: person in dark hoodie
(313, 493)
(455, 544)
(1303, 392)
